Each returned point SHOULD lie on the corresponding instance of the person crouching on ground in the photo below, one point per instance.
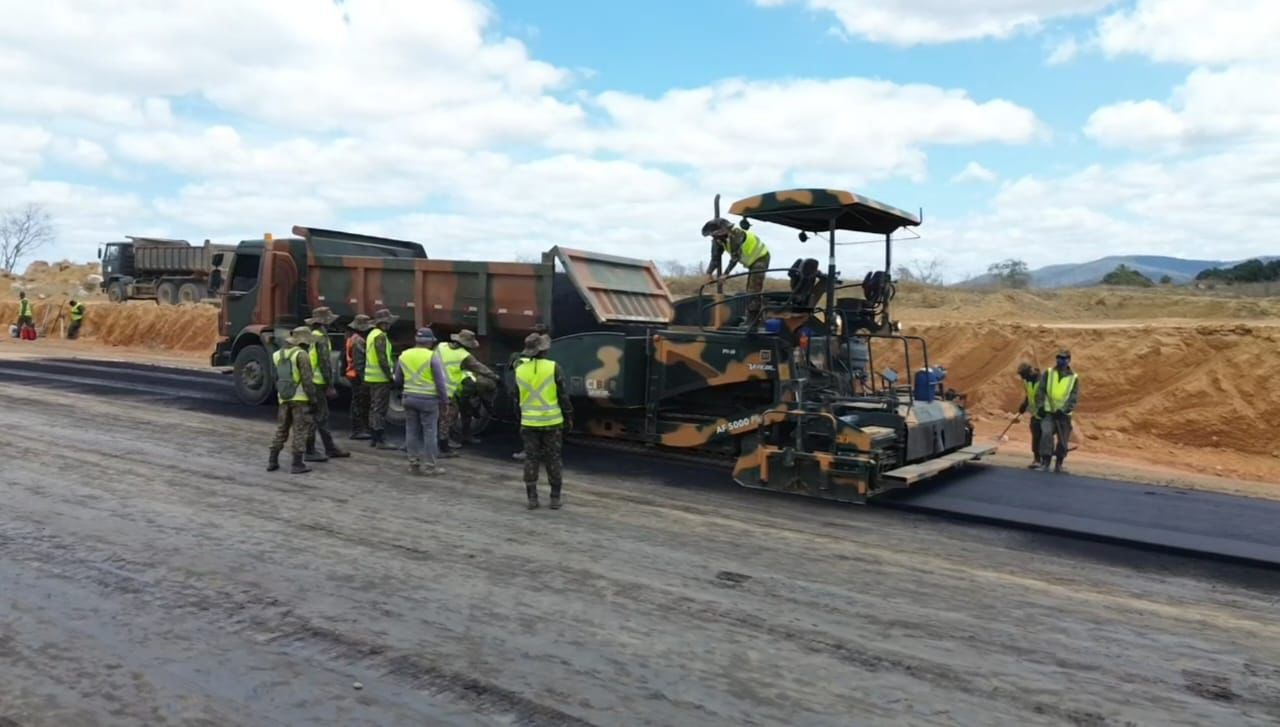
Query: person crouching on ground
(420, 372)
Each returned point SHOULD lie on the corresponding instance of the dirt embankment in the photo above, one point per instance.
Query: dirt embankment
(142, 324)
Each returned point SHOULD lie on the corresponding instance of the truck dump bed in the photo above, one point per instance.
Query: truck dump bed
(173, 257)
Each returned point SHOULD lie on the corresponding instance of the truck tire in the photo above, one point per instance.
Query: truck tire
(395, 408)
(253, 376)
(116, 292)
(166, 293)
(190, 293)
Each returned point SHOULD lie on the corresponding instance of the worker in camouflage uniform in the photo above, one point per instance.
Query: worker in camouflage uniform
(355, 375)
(296, 394)
(471, 385)
(545, 411)
(322, 368)
(1030, 377)
(1056, 404)
(509, 381)
(744, 246)
(77, 319)
(378, 371)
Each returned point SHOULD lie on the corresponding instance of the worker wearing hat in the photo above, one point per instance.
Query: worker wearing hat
(296, 394)
(1055, 404)
(421, 373)
(77, 319)
(509, 380)
(471, 385)
(545, 411)
(377, 375)
(1030, 377)
(744, 246)
(355, 349)
(322, 368)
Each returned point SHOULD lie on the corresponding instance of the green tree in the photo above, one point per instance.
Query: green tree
(1010, 273)
(1166, 280)
(1125, 275)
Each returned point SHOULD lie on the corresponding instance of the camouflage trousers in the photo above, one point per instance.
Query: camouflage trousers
(755, 285)
(542, 446)
(461, 408)
(320, 425)
(359, 407)
(379, 403)
(1054, 426)
(295, 416)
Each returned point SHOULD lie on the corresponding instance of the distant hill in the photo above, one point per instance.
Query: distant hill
(1078, 275)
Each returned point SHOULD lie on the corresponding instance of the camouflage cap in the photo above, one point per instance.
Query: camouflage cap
(298, 336)
(536, 343)
(1064, 353)
(321, 315)
(361, 322)
(382, 315)
(466, 339)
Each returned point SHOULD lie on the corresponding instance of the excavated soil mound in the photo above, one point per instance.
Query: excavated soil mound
(922, 304)
(1199, 386)
(142, 324)
(64, 278)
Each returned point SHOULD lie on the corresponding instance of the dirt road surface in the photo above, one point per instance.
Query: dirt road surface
(154, 573)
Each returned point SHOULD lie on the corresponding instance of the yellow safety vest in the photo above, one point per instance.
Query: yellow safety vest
(372, 371)
(1059, 389)
(452, 359)
(288, 377)
(419, 378)
(24, 308)
(539, 399)
(1032, 387)
(77, 311)
(319, 360)
(752, 249)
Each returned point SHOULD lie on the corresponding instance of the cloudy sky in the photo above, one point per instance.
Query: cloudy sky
(1051, 130)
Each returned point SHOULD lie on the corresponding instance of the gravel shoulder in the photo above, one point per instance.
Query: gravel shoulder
(156, 574)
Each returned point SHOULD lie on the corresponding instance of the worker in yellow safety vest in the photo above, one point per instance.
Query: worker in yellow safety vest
(1030, 377)
(545, 411)
(24, 310)
(77, 319)
(322, 367)
(743, 246)
(471, 385)
(378, 363)
(296, 394)
(1055, 405)
(420, 372)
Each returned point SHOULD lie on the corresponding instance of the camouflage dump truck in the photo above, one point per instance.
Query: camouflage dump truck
(792, 398)
(167, 271)
(279, 281)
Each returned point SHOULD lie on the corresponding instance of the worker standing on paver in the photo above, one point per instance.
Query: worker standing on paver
(1056, 403)
(468, 380)
(1030, 376)
(377, 375)
(77, 319)
(421, 373)
(355, 375)
(322, 368)
(744, 246)
(545, 411)
(296, 394)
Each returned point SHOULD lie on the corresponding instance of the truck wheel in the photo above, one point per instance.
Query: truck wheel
(190, 293)
(116, 292)
(395, 409)
(166, 293)
(252, 374)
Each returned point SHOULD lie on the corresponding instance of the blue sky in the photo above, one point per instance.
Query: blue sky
(1051, 130)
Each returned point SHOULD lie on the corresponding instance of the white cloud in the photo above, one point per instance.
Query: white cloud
(23, 146)
(81, 153)
(913, 22)
(975, 172)
(1064, 51)
(1211, 32)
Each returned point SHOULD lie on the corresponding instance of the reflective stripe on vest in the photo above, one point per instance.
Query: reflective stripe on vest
(288, 378)
(1058, 391)
(539, 398)
(319, 359)
(752, 249)
(1032, 387)
(372, 371)
(419, 378)
(452, 359)
(77, 311)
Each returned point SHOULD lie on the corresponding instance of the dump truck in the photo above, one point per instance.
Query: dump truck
(165, 270)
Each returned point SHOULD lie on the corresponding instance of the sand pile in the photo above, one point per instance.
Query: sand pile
(142, 324)
(1205, 386)
(57, 279)
(924, 304)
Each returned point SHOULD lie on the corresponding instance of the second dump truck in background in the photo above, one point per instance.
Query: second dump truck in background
(164, 270)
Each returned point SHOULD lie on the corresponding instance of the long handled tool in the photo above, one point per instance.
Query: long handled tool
(1004, 435)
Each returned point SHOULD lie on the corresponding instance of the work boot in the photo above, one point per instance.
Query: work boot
(311, 455)
(273, 460)
(432, 470)
(446, 449)
(532, 492)
(298, 467)
(415, 469)
(331, 449)
(1034, 465)
(1057, 466)
(374, 437)
(555, 502)
(379, 440)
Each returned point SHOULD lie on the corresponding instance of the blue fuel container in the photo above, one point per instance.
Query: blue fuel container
(926, 383)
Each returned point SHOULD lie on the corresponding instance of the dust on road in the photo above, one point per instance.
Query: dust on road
(157, 574)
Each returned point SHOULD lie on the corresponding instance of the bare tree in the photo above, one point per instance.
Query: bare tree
(925, 272)
(22, 232)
